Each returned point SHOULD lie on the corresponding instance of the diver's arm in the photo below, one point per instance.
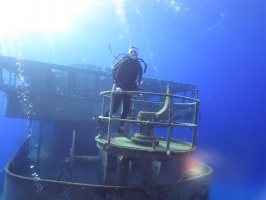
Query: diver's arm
(140, 73)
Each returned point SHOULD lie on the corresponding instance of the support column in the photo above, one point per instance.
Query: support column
(123, 171)
(150, 172)
(108, 169)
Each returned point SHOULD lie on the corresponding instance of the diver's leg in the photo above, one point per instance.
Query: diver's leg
(125, 111)
(116, 104)
(126, 107)
(117, 100)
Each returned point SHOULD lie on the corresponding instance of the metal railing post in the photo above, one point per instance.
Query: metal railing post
(110, 116)
(169, 130)
(103, 106)
(170, 123)
(170, 116)
(195, 120)
(39, 146)
(1, 75)
(132, 116)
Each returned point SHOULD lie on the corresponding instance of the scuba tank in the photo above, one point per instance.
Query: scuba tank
(118, 60)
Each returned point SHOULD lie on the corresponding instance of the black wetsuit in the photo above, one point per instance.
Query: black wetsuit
(127, 75)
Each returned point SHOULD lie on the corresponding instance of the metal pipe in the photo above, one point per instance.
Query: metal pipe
(88, 159)
(71, 155)
(132, 116)
(110, 117)
(169, 130)
(1, 76)
(39, 146)
(155, 123)
(170, 123)
(30, 128)
(151, 93)
(195, 120)
(103, 105)
(10, 78)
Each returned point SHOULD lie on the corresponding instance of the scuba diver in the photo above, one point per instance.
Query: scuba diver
(127, 75)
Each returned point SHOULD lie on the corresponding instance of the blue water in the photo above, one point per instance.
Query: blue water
(218, 45)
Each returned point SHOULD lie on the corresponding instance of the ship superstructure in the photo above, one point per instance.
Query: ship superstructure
(65, 158)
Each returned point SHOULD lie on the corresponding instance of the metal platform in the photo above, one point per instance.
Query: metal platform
(122, 146)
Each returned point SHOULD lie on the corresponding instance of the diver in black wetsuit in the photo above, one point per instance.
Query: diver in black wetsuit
(127, 74)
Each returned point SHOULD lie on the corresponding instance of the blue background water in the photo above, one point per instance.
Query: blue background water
(217, 45)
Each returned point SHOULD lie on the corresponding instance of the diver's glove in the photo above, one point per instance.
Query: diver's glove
(139, 85)
(114, 87)
(139, 88)
(119, 90)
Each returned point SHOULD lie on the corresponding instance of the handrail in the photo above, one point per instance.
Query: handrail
(149, 122)
(170, 122)
(151, 93)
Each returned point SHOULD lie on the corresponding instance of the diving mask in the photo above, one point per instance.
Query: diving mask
(133, 52)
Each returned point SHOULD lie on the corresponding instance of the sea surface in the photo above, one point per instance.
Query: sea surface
(217, 45)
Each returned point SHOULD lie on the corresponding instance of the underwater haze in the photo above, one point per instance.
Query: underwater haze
(218, 45)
